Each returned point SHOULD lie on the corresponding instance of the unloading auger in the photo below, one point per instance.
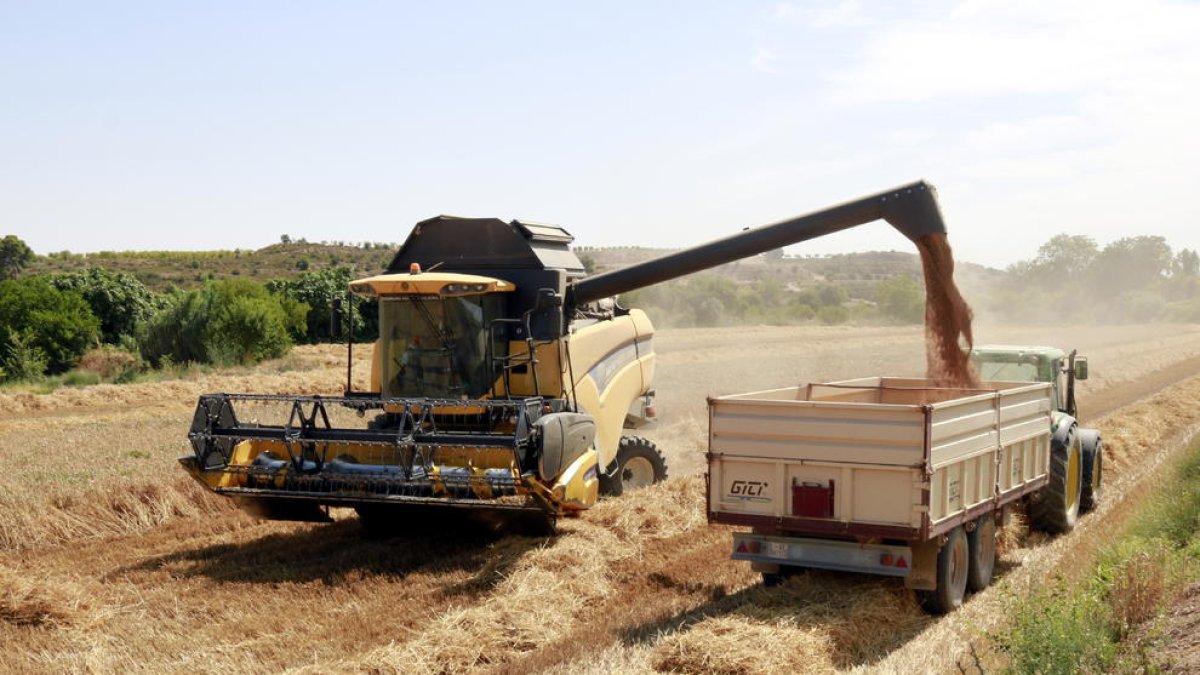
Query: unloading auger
(503, 380)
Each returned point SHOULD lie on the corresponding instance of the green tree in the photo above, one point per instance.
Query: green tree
(1187, 263)
(229, 321)
(119, 300)
(1130, 264)
(14, 256)
(317, 290)
(59, 323)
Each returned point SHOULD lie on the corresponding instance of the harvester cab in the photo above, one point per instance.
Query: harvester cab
(1077, 454)
(503, 379)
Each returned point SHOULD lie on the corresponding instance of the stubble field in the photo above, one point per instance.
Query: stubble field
(110, 561)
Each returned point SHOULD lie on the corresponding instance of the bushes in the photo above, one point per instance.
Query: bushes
(36, 317)
(226, 322)
(118, 300)
(317, 290)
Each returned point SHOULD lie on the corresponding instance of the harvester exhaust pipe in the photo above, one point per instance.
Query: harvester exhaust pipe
(912, 209)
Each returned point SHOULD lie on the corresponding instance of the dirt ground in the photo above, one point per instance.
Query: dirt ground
(110, 561)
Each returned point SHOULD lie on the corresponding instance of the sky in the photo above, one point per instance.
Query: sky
(194, 126)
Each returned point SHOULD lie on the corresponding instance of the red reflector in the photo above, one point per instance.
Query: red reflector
(887, 560)
(741, 547)
(651, 412)
(901, 564)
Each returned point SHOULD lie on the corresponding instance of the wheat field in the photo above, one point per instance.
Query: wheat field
(110, 561)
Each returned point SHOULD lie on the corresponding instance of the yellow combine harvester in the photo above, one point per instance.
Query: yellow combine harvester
(502, 382)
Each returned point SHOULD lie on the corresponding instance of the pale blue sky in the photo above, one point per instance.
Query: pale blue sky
(170, 125)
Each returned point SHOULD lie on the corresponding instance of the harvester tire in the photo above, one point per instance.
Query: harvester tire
(953, 564)
(1055, 508)
(639, 464)
(981, 549)
(1093, 468)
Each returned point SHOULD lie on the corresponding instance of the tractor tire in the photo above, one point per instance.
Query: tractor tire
(1093, 469)
(953, 565)
(639, 464)
(1055, 508)
(981, 549)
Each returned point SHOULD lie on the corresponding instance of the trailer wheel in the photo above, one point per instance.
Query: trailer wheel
(952, 566)
(639, 464)
(773, 579)
(1093, 469)
(1055, 508)
(981, 548)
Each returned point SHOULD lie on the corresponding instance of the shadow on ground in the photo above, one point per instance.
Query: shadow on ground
(333, 553)
(865, 617)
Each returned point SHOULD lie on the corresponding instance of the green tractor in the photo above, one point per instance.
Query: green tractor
(1076, 454)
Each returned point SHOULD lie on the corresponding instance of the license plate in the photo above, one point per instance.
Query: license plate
(777, 550)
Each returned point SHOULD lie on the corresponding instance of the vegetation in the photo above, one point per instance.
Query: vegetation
(226, 322)
(38, 320)
(318, 290)
(1135, 279)
(1101, 624)
(14, 256)
(207, 307)
(118, 300)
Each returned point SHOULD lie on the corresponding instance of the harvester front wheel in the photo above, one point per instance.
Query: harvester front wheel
(1055, 509)
(639, 464)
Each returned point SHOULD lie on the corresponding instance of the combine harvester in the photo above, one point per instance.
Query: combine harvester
(502, 383)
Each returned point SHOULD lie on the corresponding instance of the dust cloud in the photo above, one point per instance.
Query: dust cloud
(947, 317)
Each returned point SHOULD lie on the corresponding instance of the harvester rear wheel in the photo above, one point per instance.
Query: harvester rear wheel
(1055, 508)
(953, 564)
(639, 464)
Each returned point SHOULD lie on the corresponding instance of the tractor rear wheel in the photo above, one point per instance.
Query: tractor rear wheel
(639, 464)
(1055, 508)
(953, 564)
(1093, 471)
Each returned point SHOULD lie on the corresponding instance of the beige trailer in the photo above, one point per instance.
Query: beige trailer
(882, 475)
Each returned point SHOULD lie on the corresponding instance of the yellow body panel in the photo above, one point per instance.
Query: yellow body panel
(579, 486)
(614, 364)
(429, 283)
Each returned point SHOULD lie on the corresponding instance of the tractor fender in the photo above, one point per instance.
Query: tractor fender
(1089, 440)
(1062, 432)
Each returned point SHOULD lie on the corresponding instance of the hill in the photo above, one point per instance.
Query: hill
(160, 270)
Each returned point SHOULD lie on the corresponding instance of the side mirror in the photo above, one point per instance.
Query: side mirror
(1081, 368)
(335, 317)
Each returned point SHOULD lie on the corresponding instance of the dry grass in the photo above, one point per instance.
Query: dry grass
(130, 569)
(544, 595)
(742, 646)
(1142, 586)
(30, 601)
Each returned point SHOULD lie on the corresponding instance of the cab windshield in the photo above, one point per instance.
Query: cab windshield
(1007, 371)
(436, 347)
